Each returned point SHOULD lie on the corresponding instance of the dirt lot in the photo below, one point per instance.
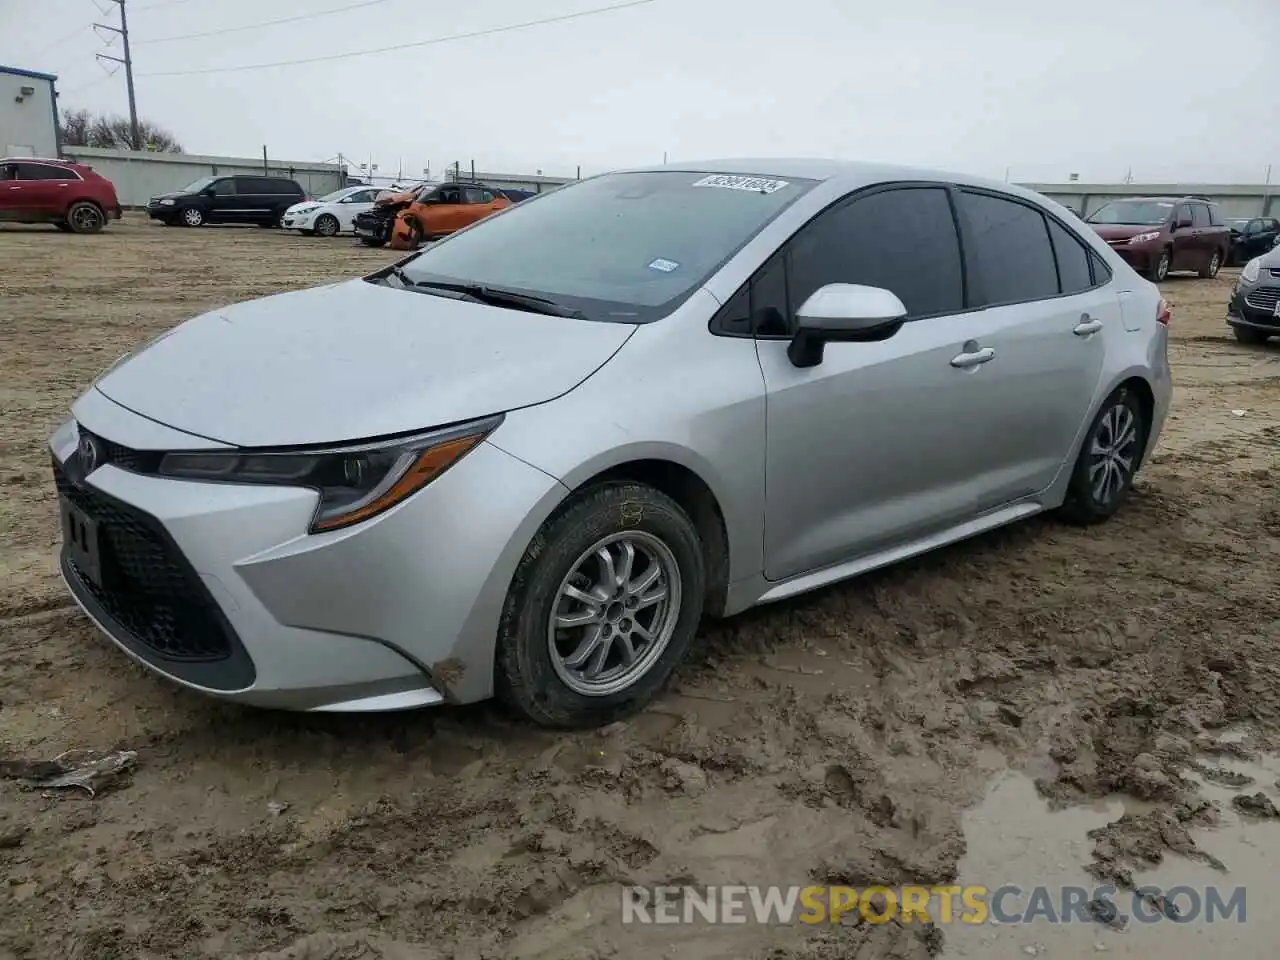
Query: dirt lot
(837, 738)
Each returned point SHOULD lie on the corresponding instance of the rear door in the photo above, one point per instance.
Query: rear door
(1048, 315)
(881, 443)
(1186, 249)
(44, 192)
(1206, 235)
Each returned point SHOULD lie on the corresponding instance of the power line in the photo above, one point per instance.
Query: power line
(405, 46)
(267, 23)
(85, 86)
(160, 3)
(60, 41)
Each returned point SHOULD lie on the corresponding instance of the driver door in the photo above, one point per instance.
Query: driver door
(1186, 245)
(881, 442)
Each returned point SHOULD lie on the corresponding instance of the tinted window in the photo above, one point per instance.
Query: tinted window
(902, 240)
(266, 186)
(474, 195)
(43, 171)
(224, 188)
(1215, 215)
(1011, 250)
(1200, 214)
(1271, 224)
(1073, 259)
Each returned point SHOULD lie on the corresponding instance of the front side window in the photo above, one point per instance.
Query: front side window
(622, 247)
(1012, 253)
(1184, 215)
(1132, 213)
(449, 195)
(474, 195)
(224, 188)
(1199, 215)
(902, 239)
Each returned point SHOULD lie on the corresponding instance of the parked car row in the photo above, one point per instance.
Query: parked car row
(435, 210)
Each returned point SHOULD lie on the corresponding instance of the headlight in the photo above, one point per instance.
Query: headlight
(1145, 237)
(354, 482)
(1250, 272)
(167, 202)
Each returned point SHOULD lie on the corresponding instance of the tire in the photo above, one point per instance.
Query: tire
(535, 675)
(1085, 505)
(1211, 269)
(1161, 269)
(86, 217)
(327, 225)
(191, 217)
(1250, 336)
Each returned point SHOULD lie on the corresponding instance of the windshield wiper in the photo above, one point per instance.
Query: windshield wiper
(502, 298)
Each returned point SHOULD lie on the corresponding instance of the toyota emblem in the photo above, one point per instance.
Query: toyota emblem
(88, 451)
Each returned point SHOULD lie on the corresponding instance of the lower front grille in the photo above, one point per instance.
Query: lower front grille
(1264, 298)
(147, 586)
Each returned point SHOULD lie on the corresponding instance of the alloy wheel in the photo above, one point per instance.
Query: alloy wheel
(1214, 264)
(86, 218)
(192, 217)
(614, 613)
(1162, 266)
(1112, 454)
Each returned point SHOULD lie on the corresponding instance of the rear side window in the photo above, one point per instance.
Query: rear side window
(1074, 274)
(1199, 215)
(1012, 253)
(901, 239)
(43, 171)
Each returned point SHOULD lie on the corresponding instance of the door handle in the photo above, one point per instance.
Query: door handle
(974, 359)
(1087, 325)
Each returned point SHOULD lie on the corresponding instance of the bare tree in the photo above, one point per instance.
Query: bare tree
(80, 128)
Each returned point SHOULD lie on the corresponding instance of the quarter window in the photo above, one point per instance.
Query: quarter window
(1073, 259)
(1012, 253)
(902, 239)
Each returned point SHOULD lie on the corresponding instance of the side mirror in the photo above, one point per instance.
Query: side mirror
(843, 313)
(207, 192)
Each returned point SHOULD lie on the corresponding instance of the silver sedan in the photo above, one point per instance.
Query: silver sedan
(530, 460)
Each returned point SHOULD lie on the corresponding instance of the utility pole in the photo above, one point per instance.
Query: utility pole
(123, 31)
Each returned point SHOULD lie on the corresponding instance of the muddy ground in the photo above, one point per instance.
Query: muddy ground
(839, 737)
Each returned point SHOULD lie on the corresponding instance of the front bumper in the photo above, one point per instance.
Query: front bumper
(157, 212)
(1142, 257)
(400, 611)
(298, 221)
(1258, 315)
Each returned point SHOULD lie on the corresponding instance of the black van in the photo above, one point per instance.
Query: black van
(238, 199)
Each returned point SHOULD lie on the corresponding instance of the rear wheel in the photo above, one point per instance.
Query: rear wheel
(1212, 267)
(602, 608)
(1250, 336)
(192, 217)
(327, 225)
(85, 217)
(1108, 460)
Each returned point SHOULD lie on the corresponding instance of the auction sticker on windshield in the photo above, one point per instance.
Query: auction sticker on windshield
(731, 182)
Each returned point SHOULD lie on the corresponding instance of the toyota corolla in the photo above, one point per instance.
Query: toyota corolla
(528, 461)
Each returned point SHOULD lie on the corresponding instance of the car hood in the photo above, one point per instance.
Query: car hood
(1123, 231)
(172, 194)
(354, 360)
(307, 205)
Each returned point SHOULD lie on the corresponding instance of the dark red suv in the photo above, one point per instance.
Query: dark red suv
(1155, 235)
(69, 195)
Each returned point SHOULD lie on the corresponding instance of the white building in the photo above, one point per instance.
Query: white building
(28, 113)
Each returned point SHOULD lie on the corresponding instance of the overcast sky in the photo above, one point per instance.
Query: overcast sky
(1174, 89)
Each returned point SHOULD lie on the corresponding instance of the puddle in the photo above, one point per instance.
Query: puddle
(1013, 838)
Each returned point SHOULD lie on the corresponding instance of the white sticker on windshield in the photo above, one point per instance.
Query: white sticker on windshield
(732, 182)
(666, 266)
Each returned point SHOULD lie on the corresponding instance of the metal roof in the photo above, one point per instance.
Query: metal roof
(35, 75)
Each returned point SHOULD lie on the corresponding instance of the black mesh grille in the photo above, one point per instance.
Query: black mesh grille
(148, 588)
(1264, 298)
(138, 461)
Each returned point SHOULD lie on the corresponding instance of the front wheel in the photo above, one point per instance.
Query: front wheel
(602, 608)
(1161, 268)
(1212, 267)
(1250, 336)
(1108, 460)
(192, 217)
(327, 225)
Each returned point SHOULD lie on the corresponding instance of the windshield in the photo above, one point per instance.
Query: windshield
(623, 247)
(1136, 212)
(195, 186)
(338, 195)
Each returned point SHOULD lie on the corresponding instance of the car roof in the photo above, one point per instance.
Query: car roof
(1182, 199)
(851, 173)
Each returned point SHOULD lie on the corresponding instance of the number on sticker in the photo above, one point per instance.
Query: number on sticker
(727, 181)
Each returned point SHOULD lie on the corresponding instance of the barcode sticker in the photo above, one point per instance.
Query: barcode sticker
(727, 181)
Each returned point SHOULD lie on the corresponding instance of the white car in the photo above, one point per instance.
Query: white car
(331, 214)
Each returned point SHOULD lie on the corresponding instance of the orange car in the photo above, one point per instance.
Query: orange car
(439, 211)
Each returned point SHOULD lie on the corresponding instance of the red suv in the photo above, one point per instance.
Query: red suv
(69, 195)
(1155, 235)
